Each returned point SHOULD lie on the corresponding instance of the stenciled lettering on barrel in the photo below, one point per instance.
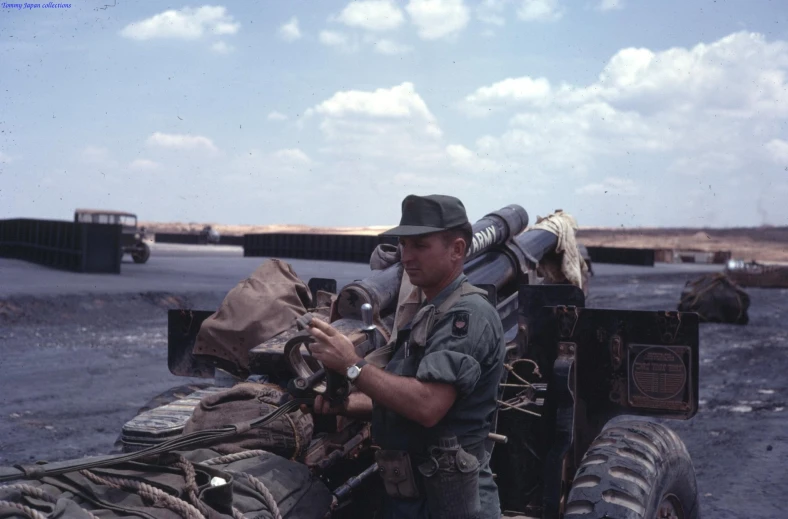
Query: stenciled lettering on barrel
(482, 239)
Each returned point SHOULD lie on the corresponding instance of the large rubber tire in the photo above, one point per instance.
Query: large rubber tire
(141, 255)
(635, 470)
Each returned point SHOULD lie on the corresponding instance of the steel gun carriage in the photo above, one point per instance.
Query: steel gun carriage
(578, 432)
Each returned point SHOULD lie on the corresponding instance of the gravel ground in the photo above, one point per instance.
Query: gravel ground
(75, 366)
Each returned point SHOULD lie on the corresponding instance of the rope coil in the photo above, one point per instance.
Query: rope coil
(38, 493)
(157, 498)
(268, 498)
(34, 514)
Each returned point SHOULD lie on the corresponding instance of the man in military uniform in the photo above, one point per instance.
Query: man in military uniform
(442, 381)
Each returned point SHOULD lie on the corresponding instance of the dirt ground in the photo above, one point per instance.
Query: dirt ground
(76, 367)
(764, 244)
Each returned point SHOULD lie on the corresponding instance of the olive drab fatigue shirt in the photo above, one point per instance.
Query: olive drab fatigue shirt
(465, 348)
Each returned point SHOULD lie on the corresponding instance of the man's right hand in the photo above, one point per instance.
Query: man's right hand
(323, 406)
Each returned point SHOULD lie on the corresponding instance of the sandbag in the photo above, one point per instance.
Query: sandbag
(258, 308)
(289, 435)
(175, 485)
(716, 299)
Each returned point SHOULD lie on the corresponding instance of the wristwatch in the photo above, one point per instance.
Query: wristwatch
(355, 370)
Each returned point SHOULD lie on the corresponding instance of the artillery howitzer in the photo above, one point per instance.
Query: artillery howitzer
(562, 447)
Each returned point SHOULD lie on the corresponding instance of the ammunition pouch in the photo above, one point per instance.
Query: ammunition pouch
(397, 474)
(451, 483)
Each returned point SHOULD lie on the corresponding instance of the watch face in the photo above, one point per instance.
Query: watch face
(352, 372)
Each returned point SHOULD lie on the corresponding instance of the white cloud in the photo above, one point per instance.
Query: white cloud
(540, 11)
(181, 142)
(509, 92)
(187, 24)
(610, 5)
(276, 116)
(144, 165)
(437, 19)
(467, 160)
(613, 186)
(221, 47)
(391, 47)
(491, 12)
(398, 102)
(292, 156)
(338, 40)
(372, 15)
(290, 31)
(95, 155)
(657, 126)
(778, 151)
(5, 158)
(383, 141)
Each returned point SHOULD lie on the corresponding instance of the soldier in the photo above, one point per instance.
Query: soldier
(441, 385)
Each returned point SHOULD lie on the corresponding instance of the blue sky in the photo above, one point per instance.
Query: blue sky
(622, 113)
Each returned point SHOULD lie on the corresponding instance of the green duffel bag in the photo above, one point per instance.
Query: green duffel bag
(716, 299)
(198, 484)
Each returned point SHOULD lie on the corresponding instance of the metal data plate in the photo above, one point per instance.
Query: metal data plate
(631, 362)
(658, 377)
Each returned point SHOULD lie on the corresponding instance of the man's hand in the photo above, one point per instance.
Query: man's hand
(356, 405)
(332, 348)
(323, 406)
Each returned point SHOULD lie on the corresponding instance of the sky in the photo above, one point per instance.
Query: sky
(623, 113)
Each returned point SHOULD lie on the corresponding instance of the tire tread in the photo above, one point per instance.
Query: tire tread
(630, 462)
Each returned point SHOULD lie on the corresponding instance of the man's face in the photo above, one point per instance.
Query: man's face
(427, 260)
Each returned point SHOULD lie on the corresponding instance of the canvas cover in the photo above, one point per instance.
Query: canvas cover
(256, 309)
(289, 435)
(716, 299)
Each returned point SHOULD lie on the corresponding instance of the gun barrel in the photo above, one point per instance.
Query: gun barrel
(500, 253)
(381, 289)
(495, 228)
(506, 264)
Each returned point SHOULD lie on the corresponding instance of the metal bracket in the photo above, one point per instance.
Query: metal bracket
(669, 324)
(567, 320)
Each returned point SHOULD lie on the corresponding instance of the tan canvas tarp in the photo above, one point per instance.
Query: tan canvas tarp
(258, 308)
(289, 435)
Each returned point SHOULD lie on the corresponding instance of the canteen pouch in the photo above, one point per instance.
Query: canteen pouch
(451, 482)
(397, 474)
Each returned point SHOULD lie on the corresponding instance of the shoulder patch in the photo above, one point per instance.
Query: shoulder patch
(459, 327)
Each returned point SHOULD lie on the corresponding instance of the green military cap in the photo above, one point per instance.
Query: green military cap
(426, 214)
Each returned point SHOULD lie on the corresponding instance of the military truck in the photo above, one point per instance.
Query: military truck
(132, 237)
(580, 427)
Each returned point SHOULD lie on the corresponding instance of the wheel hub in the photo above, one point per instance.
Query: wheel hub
(670, 508)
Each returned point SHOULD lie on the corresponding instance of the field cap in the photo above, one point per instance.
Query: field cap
(427, 214)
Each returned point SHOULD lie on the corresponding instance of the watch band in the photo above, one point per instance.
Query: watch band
(357, 369)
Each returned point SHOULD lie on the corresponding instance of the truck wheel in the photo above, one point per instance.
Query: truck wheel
(634, 470)
(142, 254)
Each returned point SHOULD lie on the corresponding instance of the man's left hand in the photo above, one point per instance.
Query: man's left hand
(332, 348)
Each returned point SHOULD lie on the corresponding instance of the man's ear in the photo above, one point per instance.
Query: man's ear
(458, 248)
